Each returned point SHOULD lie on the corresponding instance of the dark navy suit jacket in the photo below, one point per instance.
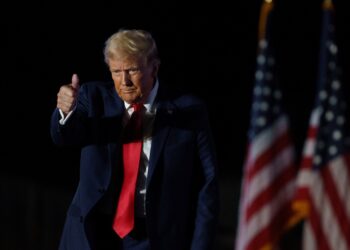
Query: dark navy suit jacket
(182, 189)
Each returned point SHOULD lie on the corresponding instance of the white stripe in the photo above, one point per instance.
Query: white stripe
(266, 138)
(240, 237)
(329, 224)
(305, 178)
(309, 147)
(315, 117)
(340, 174)
(308, 237)
(269, 173)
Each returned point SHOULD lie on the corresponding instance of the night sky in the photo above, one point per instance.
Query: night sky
(208, 49)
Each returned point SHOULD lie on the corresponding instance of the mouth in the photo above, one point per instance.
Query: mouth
(128, 91)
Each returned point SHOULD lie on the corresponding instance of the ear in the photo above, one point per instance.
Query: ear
(155, 69)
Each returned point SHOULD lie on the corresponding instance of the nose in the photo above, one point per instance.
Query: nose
(126, 78)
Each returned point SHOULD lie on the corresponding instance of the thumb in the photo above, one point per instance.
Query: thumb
(75, 81)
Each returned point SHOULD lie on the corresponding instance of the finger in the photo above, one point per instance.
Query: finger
(65, 105)
(75, 81)
(67, 90)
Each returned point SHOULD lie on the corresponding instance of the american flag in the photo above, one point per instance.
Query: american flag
(323, 193)
(268, 183)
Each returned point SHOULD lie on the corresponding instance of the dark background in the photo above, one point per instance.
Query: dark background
(208, 49)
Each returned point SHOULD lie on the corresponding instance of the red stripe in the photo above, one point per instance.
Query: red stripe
(307, 162)
(302, 193)
(269, 193)
(347, 160)
(312, 132)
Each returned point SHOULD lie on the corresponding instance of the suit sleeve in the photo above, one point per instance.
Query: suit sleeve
(74, 131)
(208, 197)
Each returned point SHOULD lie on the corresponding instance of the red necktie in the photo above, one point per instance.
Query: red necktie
(132, 146)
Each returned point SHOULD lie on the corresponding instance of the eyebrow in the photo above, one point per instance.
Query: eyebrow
(128, 68)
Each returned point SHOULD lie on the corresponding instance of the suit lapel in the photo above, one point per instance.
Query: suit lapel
(161, 128)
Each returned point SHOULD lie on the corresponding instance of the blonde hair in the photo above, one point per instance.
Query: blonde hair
(135, 44)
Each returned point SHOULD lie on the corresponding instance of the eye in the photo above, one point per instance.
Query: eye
(116, 72)
(134, 71)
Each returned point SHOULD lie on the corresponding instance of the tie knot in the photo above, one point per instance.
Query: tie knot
(133, 128)
(137, 106)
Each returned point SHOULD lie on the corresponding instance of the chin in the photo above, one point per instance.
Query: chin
(129, 99)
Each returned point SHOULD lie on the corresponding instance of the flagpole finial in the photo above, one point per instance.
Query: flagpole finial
(266, 8)
(327, 4)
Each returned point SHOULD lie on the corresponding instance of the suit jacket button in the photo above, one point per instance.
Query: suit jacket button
(101, 190)
(81, 219)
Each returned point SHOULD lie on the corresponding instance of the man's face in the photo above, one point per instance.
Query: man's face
(133, 80)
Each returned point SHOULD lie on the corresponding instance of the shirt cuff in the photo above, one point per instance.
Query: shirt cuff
(64, 119)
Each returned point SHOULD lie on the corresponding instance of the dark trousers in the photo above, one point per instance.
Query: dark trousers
(130, 243)
(104, 238)
(137, 239)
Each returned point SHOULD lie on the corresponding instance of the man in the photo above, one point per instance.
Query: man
(163, 194)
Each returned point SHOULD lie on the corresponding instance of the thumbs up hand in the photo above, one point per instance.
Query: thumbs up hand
(67, 95)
